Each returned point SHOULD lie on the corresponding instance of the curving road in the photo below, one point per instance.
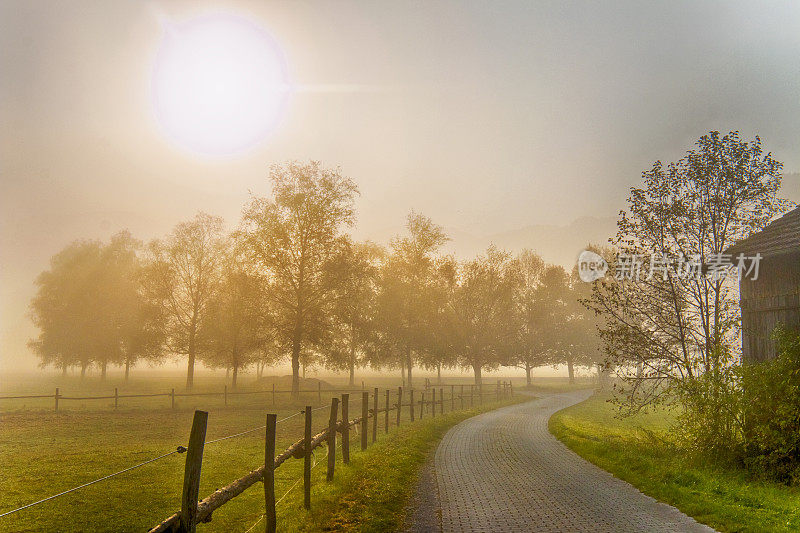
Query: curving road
(503, 471)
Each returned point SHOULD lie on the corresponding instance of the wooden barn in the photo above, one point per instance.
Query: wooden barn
(773, 298)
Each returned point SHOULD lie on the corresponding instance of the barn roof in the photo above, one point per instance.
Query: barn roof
(779, 236)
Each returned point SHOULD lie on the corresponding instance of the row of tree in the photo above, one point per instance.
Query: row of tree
(290, 283)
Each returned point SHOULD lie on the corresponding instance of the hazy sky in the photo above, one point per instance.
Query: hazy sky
(486, 116)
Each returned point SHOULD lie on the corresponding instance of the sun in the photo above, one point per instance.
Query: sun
(220, 84)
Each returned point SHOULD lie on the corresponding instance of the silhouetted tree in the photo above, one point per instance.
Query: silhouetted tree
(531, 349)
(353, 337)
(237, 319)
(182, 275)
(482, 312)
(90, 308)
(406, 295)
(294, 238)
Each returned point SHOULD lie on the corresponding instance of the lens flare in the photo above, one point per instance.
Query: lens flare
(220, 84)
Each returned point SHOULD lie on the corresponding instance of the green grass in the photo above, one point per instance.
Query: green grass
(642, 451)
(42, 453)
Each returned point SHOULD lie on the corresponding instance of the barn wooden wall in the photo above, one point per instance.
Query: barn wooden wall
(772, 299)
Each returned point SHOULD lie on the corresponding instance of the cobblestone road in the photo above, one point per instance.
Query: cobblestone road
(503, 471)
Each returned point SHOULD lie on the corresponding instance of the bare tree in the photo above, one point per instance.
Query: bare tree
(182, 276)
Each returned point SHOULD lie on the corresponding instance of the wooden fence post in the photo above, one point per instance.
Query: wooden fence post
(307, 460)
(411, 404)
(433, 402)
(375, 415)
(116, 397)
(332, 438)
(386, 413)
(345, 428)
(191, 473)
(421, 405)
(172, 398)
(364, 419)
(56, 397)
(399, 404)
(269, 473)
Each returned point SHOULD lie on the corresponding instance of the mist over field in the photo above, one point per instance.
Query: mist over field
(491, 156)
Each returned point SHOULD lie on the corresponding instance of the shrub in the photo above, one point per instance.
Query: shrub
(771, 412)
(748, 413)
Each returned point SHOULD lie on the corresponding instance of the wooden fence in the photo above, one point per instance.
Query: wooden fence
(224, 393)
(193, 512)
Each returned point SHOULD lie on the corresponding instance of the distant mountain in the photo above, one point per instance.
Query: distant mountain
(790, 186)
(556, 244)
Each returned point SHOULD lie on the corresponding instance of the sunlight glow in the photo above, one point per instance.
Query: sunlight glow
(220, 84)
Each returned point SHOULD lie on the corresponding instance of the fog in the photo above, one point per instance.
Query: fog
(523, 126)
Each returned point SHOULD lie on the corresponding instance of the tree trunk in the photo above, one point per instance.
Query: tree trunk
(528, 374)
(227, 373)
(403, 372)
(352, 381)
(571, 370)
(304, 371)
(477, 370)
(439, 373)
(296, 367)
(408, 366)
(83, 369)
(64, 370)
(127, 368)
(235, 375)
(103, 370)
(190, 369)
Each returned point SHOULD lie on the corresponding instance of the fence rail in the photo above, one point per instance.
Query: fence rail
(193, 512)
(224, 393)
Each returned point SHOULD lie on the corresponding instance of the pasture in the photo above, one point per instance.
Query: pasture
(44, 453)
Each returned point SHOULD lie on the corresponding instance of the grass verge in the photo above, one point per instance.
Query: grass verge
(372, 493)
(642, 451)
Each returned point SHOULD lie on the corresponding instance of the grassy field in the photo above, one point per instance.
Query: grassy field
(42, 453)
(642, 451)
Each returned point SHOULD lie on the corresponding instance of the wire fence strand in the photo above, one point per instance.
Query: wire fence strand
(180, 449)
